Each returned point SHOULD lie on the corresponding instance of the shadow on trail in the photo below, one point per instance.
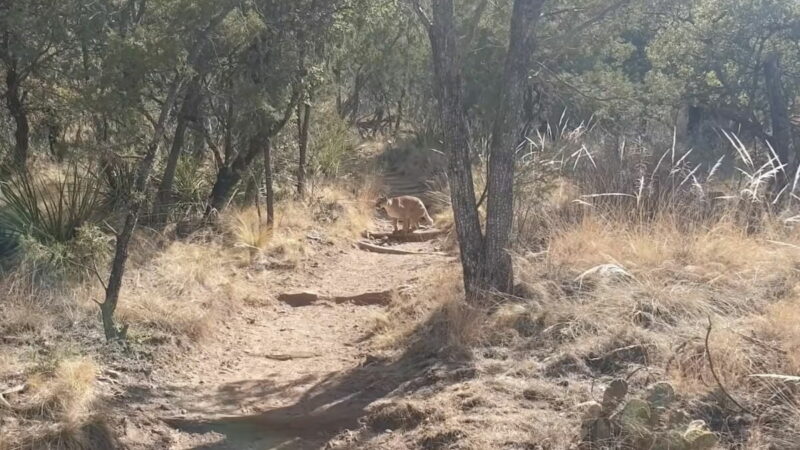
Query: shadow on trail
(337, 401)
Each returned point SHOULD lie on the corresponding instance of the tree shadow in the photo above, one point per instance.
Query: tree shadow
(337, 401)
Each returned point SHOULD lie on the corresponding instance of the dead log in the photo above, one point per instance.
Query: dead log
(392, 251)
(416, 236)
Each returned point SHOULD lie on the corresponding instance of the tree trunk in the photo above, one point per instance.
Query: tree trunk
(303, 121)
(449, 93)
(270, 194)
(781, 138)
(135, 203)
(507, 134)
(188, 111)
(16, 107)
(229, 176)
(230, 173)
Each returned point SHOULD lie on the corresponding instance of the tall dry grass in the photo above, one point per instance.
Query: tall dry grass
(621, 263)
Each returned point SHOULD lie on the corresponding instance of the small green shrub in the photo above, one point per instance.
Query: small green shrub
(50, 211)
(51, 221)
(332, 145)
(192, 181)
(118, 178)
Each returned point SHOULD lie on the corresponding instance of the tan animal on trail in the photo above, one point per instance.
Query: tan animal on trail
(407, 209)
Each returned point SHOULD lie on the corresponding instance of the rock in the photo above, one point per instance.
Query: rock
(614, 395)
(367, 298)
(698, 437)
(296, 299)
(661, 395)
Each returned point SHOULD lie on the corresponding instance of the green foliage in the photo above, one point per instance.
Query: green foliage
(192, 181)
(118, 178)
(51, 221)
(654, 422)
(332, 144)
(50, 211)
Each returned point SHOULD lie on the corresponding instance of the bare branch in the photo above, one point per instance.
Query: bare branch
(423, 16)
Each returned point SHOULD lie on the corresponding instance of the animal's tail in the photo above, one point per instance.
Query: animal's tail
(428, 218)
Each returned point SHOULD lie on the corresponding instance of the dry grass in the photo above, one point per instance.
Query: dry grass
(620, 268)
(330, 213)
(609, 299)
(249, 230)
(58, 409)
(183, 291)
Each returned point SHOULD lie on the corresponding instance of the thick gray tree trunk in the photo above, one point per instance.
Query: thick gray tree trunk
(507, 135)
(449, 93)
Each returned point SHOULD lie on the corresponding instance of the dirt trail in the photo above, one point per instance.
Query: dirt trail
(280, 377)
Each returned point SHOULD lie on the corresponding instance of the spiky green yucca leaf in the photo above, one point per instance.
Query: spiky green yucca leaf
(49, 211)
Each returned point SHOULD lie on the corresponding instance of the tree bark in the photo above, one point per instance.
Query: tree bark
(229, 176)
(507, 134)
(450, 100)
(303, 121)
(135, 204)
(230, 172)
(188, 112)
(16, 107)
(270, 193)
(781, 137)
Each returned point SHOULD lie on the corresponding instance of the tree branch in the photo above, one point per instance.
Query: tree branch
(423, 16)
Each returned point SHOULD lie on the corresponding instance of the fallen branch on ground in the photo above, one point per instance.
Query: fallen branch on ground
(392, 251)
(416, 236)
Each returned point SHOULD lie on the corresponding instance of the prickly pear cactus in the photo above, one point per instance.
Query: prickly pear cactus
(650, 422)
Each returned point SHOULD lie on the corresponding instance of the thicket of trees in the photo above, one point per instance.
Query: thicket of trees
(171, 104)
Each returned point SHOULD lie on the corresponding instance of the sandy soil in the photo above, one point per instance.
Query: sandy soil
(278, 376)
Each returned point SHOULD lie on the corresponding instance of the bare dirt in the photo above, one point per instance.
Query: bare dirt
(288, 374)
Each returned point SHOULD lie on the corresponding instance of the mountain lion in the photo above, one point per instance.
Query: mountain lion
(410, 210)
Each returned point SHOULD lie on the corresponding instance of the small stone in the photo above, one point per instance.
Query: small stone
(296, 299)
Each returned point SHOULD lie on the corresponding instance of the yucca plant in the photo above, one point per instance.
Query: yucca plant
(50, 211)
(192, 182)
(116, 183)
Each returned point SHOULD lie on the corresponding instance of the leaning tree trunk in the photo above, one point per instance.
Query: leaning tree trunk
(229, 174)
(16, 107)
(449, 93)
(270, 193)
(188, 111)
(135, 203)
(781, 138)
(303, 121)
(507, 135)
